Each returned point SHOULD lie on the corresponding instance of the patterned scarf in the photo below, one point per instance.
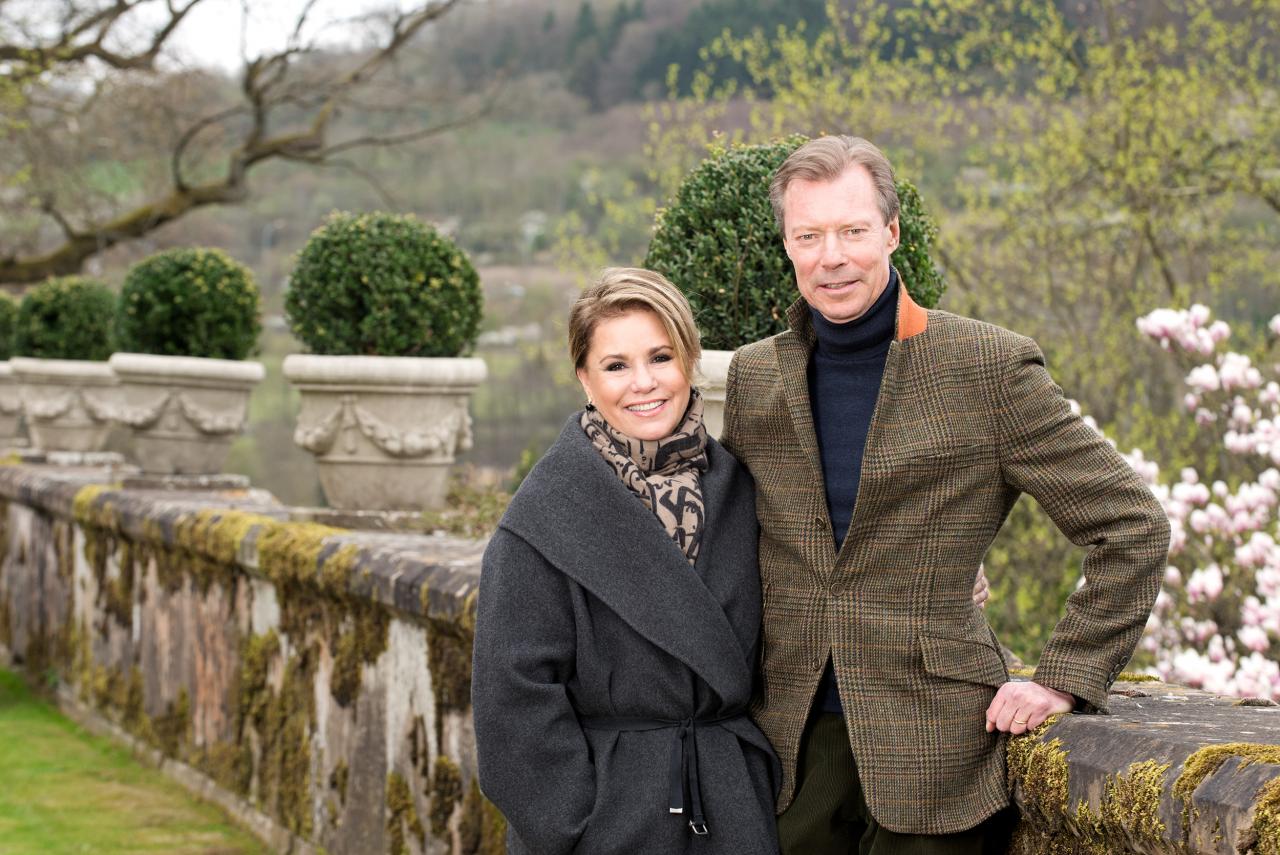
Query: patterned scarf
(665, 473)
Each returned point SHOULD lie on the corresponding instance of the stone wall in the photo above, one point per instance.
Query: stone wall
(319, 677)
(316, 681)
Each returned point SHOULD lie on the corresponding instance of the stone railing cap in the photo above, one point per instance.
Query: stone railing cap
(384, 370)
(194, 367)
(25, 367)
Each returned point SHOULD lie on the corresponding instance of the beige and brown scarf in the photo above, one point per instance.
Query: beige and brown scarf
(665, 473)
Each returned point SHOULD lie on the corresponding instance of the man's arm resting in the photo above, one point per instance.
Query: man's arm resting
(1098, 501)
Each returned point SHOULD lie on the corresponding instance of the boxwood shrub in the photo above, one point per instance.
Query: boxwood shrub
(718, 243)
(379, 284)
(189, 302)
(8, 320)
(68, 317)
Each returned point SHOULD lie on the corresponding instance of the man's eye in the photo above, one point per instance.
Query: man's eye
(855, 232)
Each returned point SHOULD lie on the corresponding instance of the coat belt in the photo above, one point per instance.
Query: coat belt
(683, 769)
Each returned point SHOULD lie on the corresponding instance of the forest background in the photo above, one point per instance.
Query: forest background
(1087, 161)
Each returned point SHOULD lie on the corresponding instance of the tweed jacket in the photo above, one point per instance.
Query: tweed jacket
(589, 612)
(967, 419)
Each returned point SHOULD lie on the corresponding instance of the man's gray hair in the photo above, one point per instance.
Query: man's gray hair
(826, 159)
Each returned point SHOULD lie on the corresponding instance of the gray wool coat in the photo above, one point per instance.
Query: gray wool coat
(594, 638)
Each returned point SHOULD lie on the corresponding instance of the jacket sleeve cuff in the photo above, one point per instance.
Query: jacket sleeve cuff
(1088, 686)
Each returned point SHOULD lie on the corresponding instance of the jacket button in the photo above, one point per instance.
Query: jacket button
(821, 520)
(834, 589)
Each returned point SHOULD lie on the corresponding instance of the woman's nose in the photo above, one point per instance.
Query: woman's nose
(642, 379)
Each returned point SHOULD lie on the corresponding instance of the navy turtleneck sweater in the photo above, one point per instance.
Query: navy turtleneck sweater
(844, 381)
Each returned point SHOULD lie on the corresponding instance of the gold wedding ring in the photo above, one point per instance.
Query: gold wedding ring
(1021, 721)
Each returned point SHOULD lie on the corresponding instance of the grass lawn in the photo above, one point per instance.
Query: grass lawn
(63, 790)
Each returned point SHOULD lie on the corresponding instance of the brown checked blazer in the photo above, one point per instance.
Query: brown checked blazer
(966, 420)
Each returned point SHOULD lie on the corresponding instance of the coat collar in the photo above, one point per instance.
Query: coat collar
(912, 319)
(579, 516)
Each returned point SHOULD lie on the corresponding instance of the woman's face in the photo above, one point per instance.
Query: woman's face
(632, 376)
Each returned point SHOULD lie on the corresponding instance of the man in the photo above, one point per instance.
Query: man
(888, 444)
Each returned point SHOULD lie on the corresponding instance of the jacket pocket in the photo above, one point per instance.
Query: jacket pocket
(962, 659)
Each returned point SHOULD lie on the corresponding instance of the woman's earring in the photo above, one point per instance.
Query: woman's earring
(591, 407)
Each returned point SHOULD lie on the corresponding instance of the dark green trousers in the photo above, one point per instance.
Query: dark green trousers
(829, 815)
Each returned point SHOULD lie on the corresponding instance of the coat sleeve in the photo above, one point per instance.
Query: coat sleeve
(533, 758)
(1099, 502)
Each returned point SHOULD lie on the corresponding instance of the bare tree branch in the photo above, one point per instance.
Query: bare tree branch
(284, 113)
(84, 39)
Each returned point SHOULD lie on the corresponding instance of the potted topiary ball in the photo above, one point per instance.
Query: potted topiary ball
(63, 337)
(718, 243)
(386, 305)
(186, 321)
(10, 399)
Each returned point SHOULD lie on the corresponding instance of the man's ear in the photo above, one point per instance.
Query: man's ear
(895, 234)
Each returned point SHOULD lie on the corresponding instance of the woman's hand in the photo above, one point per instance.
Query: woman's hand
(981, 590)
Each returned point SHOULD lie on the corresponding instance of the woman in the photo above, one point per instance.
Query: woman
(619, 611)
(620, 608)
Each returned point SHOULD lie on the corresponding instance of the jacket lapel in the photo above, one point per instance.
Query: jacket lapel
(794, 350)
(580, 517)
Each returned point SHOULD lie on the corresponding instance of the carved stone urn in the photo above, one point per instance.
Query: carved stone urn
(68, 402)
(384, 429)
(710, 378)
(10, 407)
(184, 411)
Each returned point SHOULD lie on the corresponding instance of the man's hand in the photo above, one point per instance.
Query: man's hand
(1022, 706)
(981, 590)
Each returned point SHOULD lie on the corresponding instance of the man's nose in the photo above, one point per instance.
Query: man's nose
(832, 253)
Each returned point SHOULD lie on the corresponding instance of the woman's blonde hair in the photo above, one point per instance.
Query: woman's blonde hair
(620, 290)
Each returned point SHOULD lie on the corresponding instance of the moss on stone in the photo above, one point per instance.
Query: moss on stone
(229, 763)
(449, 660)
(361, 644)
(335, 573)
(402, 815)
(284, 728)
(91, 510)
(1135, 677)
(1131, 803)
(483, 829)
(1041, 770)
(1208, 760)
(446, 793)
(172, 727)
(1266, 818)
(338, 780)
(290, 551)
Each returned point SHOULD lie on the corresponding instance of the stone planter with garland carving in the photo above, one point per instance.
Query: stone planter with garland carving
(68, 402)
(384, 429)
(184, 411)
(711, 377)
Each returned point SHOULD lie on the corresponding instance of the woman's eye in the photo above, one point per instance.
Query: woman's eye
(615, 366)
(662, 357)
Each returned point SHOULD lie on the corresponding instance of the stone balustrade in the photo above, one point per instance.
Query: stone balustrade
(316, 680)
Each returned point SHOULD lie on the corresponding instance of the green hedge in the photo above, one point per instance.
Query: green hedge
(189, 302)
(8, 321)
(718, 243)
(383, 284)
(68, 317)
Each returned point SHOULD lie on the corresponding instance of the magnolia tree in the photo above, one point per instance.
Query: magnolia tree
(1216, 622)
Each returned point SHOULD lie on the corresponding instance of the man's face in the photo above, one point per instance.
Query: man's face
(838, 242)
